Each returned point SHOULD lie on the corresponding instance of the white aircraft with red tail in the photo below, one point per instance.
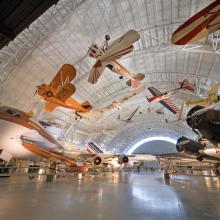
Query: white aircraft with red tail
(107, 56)
(163, 98)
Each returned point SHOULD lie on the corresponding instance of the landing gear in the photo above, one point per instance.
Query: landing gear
(120, 77)
(107, 37)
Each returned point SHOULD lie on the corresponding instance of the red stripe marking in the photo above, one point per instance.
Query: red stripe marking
(198, 15)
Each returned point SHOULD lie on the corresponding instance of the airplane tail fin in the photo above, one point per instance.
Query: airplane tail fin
(49, 107)
(185, 84)
(148, 99)
(135, 82)
(86, 105)
(93, 148)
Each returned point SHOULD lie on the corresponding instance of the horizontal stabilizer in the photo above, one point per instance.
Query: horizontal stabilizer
(86, 105)
(135, 82)
(185, 84)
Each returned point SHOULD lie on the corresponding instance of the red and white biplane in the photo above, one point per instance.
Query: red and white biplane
(107, 56)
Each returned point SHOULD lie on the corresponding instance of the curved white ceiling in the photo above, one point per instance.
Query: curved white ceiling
(63, 35)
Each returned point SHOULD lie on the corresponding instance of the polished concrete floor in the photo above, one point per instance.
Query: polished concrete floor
(118, 197)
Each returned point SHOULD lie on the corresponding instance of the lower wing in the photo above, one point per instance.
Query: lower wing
(96, 72)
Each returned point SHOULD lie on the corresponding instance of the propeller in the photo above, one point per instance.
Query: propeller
(36, 91)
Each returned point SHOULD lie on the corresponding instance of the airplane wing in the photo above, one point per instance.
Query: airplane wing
(198, 26)
(167, 103)
(121, 46)
(141, 157)
(30, 145)
(96, 72)
(197, 102)
(61, 87)
(133, 113)
(65, 75)
(154, 91)
(214, 89)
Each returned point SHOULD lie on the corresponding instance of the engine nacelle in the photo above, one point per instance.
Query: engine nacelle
(187, 146)
(123, 159)
(195, 121)
(97, 160)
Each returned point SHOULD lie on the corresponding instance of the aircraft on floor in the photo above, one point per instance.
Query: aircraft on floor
(60, 90)
(115, 104)
(213, 97)
(163, 98)
(189, 150)
(206, 123)
(198, 26)
(108, 55)
(23, 138)
(128, 120)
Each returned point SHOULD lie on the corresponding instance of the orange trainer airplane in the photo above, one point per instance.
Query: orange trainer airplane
(60, 90)
(198, 26)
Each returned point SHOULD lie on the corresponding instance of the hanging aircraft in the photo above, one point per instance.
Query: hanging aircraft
(213, 97)
(115, 104)
(60, 90)
(108, 55)
(128, 120)
(198, 26)
(163, 98)
(185, 85)
(205, 121)
(23, 138)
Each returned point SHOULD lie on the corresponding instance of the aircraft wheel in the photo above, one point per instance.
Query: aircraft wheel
(49, 94)
(107, 37)
(120, 77)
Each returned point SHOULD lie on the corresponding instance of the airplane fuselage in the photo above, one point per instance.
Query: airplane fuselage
(161, 97)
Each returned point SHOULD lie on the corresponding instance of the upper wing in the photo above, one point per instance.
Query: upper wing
(154, 91)
(60, 86)
(129, 37)
(121, 46)
(214, 89)
(96, 72)
(167, 103)
(65, 75)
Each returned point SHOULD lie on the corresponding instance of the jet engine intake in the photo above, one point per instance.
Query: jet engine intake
(97, 160)
(187, 146)
(123, 159)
